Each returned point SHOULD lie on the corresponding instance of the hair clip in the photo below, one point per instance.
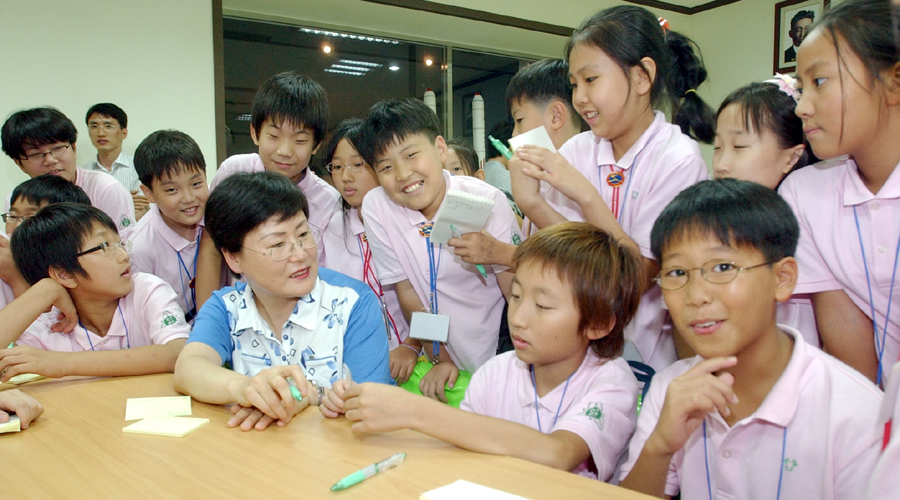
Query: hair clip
(786, 84)
(664, 23)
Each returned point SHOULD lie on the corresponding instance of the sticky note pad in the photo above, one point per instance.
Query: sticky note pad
(25, 377)
(176, 406)
(166, 426)
(12, 426)
(465, 489)
(535, 137)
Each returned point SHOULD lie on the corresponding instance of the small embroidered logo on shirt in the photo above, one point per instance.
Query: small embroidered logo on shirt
(169, 319)
(515, 237)
(595, 412)
(425, 229)
(789, 464)
(126, 221)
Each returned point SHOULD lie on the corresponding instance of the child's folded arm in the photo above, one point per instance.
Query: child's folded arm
(846, 331)
(22, 312)
(209, 269)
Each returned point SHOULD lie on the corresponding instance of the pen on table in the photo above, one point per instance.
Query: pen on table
(500, 147)
(363, 474)
(477, 266)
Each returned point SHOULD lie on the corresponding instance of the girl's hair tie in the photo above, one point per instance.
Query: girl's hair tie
(786, 84)
(664, 23)
(688, 91)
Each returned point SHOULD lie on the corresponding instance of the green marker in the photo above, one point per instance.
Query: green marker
(500, 147)
(363, 474)
(294, 391)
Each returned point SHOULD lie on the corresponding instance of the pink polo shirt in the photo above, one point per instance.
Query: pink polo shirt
(831, 443)
(345, 243)
(110, 196)
(159, 250)
(150, 314)
(324, 201)
(661, 164)
(885, 481)
(829, 255)
(473, 303)
(598, 404)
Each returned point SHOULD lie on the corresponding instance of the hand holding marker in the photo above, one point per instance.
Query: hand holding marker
(477, 266)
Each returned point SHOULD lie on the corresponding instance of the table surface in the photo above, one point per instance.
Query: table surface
(77, 449)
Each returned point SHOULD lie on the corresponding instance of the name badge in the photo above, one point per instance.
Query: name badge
(427, 326)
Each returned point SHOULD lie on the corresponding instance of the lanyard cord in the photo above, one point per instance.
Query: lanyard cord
(191, 309)
(127, 338)
(780, 473)
(558, 408)
(614, 206)
(879, 347)
(432, 276)
(369, 277)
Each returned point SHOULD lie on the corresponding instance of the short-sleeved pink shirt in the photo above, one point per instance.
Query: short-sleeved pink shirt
(829, 254)
(661, 164)
(149, 315)
(110, 196)
(599, 404)
(345, 244)
(831, 442)
(324, 201)
(885, 481)
(473, 303)
(156, 250)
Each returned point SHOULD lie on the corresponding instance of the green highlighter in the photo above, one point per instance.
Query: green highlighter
(363, 474)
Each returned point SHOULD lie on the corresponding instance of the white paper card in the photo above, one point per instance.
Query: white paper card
(466, 212)
(427, 326)
(166, 426)
(176, 406)
(12, 426)
(534, 137)
(468, 491)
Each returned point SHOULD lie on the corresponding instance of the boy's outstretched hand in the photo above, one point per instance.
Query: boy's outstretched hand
(379, 407)
(24, 359)
(442, 374)
(403, 361)
(689, 398)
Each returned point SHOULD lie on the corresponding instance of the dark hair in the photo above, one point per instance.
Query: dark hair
(243, 201)
(49, 189)
(606, 277)
(293, 97)
(392, 121)
(53, 237)
(108, 109)
(502, 131)
(738, 213)
(33, 128)
(165, 153)
(467, 156)
(347, 129)
(803, 14)
(628, 34)
(765, 107)
(541, 83)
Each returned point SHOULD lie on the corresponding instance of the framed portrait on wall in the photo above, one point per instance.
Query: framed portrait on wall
(793, 18)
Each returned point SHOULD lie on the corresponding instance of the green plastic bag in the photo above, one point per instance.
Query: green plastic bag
(454, 395)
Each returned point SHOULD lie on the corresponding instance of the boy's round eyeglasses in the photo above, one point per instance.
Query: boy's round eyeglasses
(40, 157)
(282, 251)
(350, 167)
(16, 219)
(108, 248)
(719, 272)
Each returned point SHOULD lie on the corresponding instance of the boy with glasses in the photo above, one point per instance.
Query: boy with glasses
(42, 141)
(105, 322)
(291, 320)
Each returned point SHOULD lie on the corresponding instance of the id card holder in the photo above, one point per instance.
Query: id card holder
(431, 327)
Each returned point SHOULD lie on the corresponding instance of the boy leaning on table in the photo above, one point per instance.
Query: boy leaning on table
(290, 320)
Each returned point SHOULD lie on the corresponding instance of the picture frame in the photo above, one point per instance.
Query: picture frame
(793, 18)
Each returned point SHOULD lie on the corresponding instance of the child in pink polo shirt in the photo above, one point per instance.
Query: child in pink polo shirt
(758, 413)
(288, 121)
(565, 398)
(173, 177)
(106, 322)
(849, 208)
(401, 140)
(347, 247)
(624, 67)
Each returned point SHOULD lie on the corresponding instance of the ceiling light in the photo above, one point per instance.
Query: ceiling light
(243, 117)
(360, 63)
(354, 73)
(351, 68)
(393, 67)
(428, 61)
(326, 49)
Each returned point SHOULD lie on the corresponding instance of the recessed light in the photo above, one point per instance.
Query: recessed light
(326, 49)
(393, 67)
(428, 61)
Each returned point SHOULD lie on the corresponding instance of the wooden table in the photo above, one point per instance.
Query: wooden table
(77, 449)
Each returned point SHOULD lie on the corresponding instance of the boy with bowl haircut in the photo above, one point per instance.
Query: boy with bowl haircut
(173, 177)
(107, 322)
(42, 141)
(758, 413)
(401, 140)
(290, 320)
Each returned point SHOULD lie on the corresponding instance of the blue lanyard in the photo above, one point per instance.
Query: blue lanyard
(537, 410)
(433, 267)
(191, 309)
(879, 347)
(780, 472)
(127, 338)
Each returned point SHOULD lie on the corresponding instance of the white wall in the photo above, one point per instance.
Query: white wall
(152, 58)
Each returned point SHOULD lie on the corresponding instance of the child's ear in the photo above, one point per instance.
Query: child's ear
(786, 274)
(233, 261)
(441, 145)
(596, 333)
(254, 134)
(64, 278)
(148, 193)
(643, 75)
(796, 153)
(892, 84)
(558, 115)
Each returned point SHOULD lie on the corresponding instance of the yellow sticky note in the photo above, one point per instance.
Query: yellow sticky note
(465, 489)
(25, 377)
(12, 426)
(176, 406)
(166, 426)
